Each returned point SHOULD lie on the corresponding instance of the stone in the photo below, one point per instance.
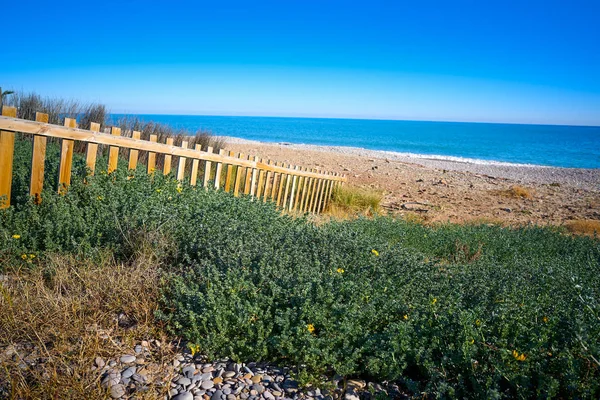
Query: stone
(210, 368)
(110, 380)
(256, 378)
(277, 393)
(127, 359)
(99, 362)
(217, 380)
(138, 349)
(258, 388)
(351, 395)
(253, 393)
(188, 372)
(231, 397)
(139, 378)
(268, 396)
(216, 395)
(229, 374)
(247, 376)
(183, 396)
(184, 381)
(207, 385)
(226, 390)
(275, 386)
(117, 391)
(128, 372)
(356, 383)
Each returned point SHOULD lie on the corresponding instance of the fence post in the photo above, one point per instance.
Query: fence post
(66, 159)
(181, 163)
(207, 167)
(168, 159)
(261, 181)
(238, 176)
(38, 158)
(113, 152)
(276, 177)
(7, 147)
(218, 171)
(91, 151)
(229, 173)
(152, 156)
(133, 154)
(293, 192)
(195, 165)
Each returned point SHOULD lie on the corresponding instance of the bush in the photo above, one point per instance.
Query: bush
(450, 311)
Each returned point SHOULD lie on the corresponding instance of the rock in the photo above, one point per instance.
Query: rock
(216, 395)
(111, 379)
(117, 391)
(351, 395)
(258, 388)
(99, 362)
(507, 209)
(268, 396)
(127, 359)
(229, 374)
(217, 380)
(277, 393)
(138, 349)
(207, 385)
(256, 378)
(253, 393)
(139, 378)
(184, 381)
(128, 372)
(183, 396)
(189, 371)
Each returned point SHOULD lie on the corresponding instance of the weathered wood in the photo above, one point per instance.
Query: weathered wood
(113, 152)
(152, 156)
(7, 150)
(91, 151)
(298, 191)
(195, 167)
(282, 180)
(238, 177)
(31, 127)
(288, 182)
(181, 164)
(168, 159)
(321, 195)
(311, 199)
(66, 159)
(327, 194)
(293, 192)
(229, 174)
(248, 180)
(207, 167)
(253, 180)
(274, 187)
(37, 161)
(134, 154)
(261, 182)
(218, 171)
(268, 183)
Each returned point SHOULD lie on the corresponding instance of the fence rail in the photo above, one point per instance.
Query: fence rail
(292, 188)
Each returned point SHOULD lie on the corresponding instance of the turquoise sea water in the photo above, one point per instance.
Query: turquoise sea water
(552, 145)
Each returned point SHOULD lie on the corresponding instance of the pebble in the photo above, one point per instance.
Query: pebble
(128, 372)
(117, 391)
(217, 395)
(99, 362)
(207, 385)
(184, 381)
(183, 396)
(127, 359)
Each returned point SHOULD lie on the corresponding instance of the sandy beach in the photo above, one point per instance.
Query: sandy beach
(439, 190)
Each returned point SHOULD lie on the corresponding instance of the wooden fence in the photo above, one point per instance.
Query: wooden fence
(292, 188)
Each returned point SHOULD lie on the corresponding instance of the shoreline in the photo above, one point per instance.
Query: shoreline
(580, 178)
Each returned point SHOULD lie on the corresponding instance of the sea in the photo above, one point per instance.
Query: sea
(483, 143)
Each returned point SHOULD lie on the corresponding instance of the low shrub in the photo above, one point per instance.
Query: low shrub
(471, 311)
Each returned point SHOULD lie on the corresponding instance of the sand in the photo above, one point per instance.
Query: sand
(439, 190)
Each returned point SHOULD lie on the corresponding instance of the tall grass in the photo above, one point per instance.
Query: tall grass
(348, 201)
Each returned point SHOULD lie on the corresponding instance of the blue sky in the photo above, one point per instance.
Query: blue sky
(502, 61)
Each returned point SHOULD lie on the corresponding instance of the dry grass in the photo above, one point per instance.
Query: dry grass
(349, 202)
(589, 227)
(64, 313)
(516, 192)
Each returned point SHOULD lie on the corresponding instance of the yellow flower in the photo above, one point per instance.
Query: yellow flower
(194, 348)
(310, 327)
(477, 322)
(434, 301)
(16, 236)
(518, 357)
(405, 317)
(340, 270)
(375, 252)
(158, 190)
(32, 256)
(24, 256)
(100, 198)
(472, 341)
(179, 189)
(545, 319)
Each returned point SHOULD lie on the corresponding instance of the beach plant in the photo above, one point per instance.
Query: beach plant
(447, 311)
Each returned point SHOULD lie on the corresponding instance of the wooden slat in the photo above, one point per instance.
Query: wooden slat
(181, 164)
(229, 173)
(303, 192)
(91, 151)
(195, 166)
(66, 159)
(113, 152)
(152, 156)
(239, 174)
(207, 167)
(36, 128)
(134, 154)
(318, 197)
(276, 177)
(218, 171)
(261, 183)
(268, 180)
(253, 180)
(248, 179)
(327, 194)
(7, 149)
(306, 195)
(168, 159)
(320, 202)
(298, 191)
(282, 181)
(288, 182)
(37, 161)
(293, 191)
(311, 198)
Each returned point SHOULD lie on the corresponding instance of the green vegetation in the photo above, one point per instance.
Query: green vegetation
(450, 311)
(349, 201)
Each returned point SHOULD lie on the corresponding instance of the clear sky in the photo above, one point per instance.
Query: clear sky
(525, 61)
